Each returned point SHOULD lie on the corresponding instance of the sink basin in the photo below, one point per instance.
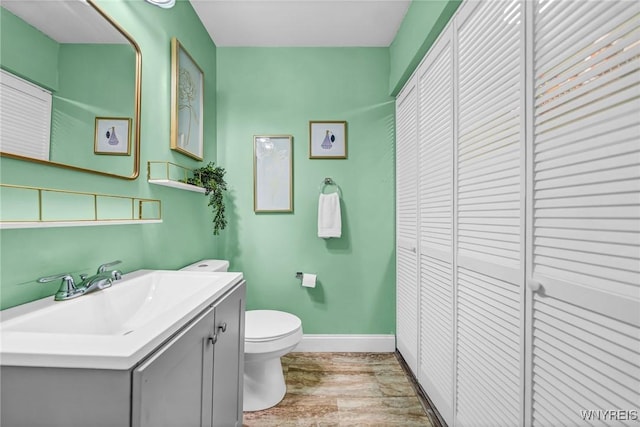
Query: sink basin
(118, 310)
(111, 328)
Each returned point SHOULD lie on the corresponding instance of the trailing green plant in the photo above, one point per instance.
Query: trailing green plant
(211, 178)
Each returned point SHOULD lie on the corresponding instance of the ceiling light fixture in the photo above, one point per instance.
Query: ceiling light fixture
(165, 4)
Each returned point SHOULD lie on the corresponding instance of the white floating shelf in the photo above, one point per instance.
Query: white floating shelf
(177, 184)
(37, 204)
(7, 225)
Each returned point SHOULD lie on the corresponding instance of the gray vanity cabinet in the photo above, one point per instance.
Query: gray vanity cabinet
(196, 378)
(174, 386)
(193, 379)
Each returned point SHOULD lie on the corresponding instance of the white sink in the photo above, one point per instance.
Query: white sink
(112, 328)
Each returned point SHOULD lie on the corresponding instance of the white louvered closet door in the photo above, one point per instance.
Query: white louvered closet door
(584, 230)
(435, 148)
(490, 214)
(406, 226)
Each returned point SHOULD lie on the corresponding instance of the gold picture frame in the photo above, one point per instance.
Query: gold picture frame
(112, 136)
(187, 103)
(273, 173)
(328, 139)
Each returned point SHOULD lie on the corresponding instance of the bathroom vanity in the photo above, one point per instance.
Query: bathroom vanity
(158, 349)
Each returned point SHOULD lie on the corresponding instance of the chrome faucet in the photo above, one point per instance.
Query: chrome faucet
(102, 279)
(104, 267)
(68, 288)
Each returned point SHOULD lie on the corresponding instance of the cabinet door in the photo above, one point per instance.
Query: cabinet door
(435, 153)
(228, 365)
(173, 387)
(490, 214)
(407, 223)
(584, 229)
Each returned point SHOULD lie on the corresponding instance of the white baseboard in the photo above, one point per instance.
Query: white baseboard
(347, 343)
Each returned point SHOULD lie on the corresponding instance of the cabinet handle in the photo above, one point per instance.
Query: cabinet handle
(213, 339)
(222, 327)
(535, 286)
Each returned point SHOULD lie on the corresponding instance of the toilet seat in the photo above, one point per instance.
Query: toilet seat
(269, 325)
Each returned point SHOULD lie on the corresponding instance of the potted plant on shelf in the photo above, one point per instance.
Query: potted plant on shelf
(211, 178)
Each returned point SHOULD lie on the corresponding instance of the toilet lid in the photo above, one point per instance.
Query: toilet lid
(208, 265)
(264, 325)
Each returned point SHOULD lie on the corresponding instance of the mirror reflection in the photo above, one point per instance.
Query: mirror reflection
(67, 57)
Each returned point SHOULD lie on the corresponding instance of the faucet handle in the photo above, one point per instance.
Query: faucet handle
(66, 277)
(104, 267)
(67, 289)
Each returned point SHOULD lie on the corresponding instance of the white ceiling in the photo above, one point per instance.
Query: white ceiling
(259, 23)
(66, 21)
(301, 23)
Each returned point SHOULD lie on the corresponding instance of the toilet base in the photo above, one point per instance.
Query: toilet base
(264, 385)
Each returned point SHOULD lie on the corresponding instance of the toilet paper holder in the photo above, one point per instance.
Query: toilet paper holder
(306, 279)
(300, 275)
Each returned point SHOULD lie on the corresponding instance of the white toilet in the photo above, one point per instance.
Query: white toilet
(269, 335)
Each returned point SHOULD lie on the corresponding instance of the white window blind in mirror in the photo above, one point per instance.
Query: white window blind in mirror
(25, 117)
(407, 223)
(584, 211)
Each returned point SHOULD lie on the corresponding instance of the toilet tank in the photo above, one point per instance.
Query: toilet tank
(208, 265)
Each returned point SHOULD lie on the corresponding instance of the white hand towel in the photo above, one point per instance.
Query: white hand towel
(329, 219)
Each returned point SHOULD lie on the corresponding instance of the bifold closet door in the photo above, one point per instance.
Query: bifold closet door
(406, 226)
(490, 199)
(584, 230)
(435, 153)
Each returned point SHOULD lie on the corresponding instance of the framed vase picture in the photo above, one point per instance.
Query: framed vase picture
(187, 94)
(113, 136)
(327, 139)
(272, 173)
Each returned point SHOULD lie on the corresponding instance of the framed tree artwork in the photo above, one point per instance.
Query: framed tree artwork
(187, 93)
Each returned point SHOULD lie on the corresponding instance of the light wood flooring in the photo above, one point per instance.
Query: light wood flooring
(344, 389)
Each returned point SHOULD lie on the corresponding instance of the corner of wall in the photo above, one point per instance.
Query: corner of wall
(420, 29)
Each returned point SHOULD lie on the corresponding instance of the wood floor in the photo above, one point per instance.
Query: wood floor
(343, 389)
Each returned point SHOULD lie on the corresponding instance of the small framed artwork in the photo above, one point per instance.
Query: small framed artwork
(272, 173)
(187, 93)
(327, 140)
(113, 136)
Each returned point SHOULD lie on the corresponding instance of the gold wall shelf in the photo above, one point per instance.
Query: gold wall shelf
(36, 207)
(170, 175)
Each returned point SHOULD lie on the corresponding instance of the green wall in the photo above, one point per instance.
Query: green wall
(267, 91)
(18, 38)
(420, 28)
(184, 236)
(257, 91)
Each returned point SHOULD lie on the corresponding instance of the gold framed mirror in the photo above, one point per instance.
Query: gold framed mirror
(89, 66)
